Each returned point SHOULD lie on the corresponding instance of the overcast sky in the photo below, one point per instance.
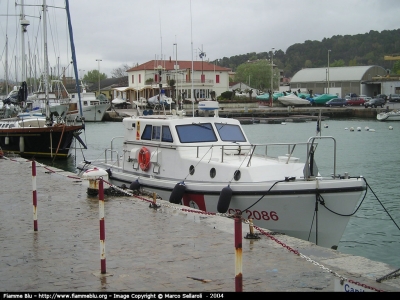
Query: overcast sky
(135, 31)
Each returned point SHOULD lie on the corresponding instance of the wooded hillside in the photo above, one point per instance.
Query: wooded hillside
(348, 50)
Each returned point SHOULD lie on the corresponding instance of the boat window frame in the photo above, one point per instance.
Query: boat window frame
(166, 135)
(195, 133)
(222, 135)
(157, 133)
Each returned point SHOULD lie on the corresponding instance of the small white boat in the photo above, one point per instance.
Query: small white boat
(141, 103)
(293, 100)
(208, 163)
(393, 115)
(91, 109)
(366, 128)
(390, 127)
(358, 128)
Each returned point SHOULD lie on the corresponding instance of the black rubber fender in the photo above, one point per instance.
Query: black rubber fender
(224, 200)
(135, 185)
(177, 193)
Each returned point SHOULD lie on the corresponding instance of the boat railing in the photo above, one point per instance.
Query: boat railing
(108, 150)
(112, 144)
(247, 151)
(112, 151)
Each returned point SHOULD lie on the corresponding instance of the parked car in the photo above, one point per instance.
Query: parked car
(394, 98)
(356, 101)
(383, 96)
(351, 95)
(375, 102)
(336, 102)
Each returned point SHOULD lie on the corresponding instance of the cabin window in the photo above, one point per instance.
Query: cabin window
(166, 135)
(157, 133)
(146, 135)
(156, 136)
(230, 132)
(196, 133)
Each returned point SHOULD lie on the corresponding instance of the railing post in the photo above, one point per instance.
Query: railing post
(238, 254)
(102, 228)
(34, 196)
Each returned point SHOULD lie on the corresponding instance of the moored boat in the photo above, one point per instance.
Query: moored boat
(293, 100)
(33, 136)
(36, 133)
(208, 163)
(88, 107)
(393, 115)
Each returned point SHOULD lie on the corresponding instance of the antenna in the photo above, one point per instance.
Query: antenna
(159, 16)
(191, 38)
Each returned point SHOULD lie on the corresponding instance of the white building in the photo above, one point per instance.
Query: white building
(145, 80)
(341, 80)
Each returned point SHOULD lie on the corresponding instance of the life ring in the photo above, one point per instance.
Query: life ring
(144, 158)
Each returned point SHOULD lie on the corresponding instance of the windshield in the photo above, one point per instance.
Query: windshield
(196, 133)
(230, 132)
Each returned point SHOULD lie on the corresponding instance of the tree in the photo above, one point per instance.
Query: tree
(121, 71)
(93, 76)
(259, 72)
(396, 68)
(338, 63)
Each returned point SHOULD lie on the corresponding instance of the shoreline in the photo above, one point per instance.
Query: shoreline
(253, 110)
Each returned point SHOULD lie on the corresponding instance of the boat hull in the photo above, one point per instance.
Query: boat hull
(45, 142)
(288, 208)
(93, 113)
(390, 116)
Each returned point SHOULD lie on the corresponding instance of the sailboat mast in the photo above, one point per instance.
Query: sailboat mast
(23, 30)
(46, 62)
(191, 38)
(71, 37)
(7, 80)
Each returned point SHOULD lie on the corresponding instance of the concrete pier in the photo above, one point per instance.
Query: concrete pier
(151, 249)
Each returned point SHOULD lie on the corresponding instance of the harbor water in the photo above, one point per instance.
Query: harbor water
(374, 154)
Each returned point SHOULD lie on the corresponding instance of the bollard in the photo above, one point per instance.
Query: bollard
(154, 203)
(251, 235)
(34, 196)
(102, 228)
(238, 254)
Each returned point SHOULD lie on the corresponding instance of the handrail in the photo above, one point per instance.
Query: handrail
(112, 141)
(219, 150)
(313, 138)
(110, 150)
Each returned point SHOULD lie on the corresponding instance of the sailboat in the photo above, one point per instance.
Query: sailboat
(58, 105)
(36, 134)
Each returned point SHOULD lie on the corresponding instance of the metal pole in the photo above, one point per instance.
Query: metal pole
(238, 254)
(272, 71)
(102, 228)
(176, 72)
(99, 60)
(34, 196)
(328, 70)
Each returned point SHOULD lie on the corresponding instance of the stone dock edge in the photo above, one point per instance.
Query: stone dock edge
(161, 248)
